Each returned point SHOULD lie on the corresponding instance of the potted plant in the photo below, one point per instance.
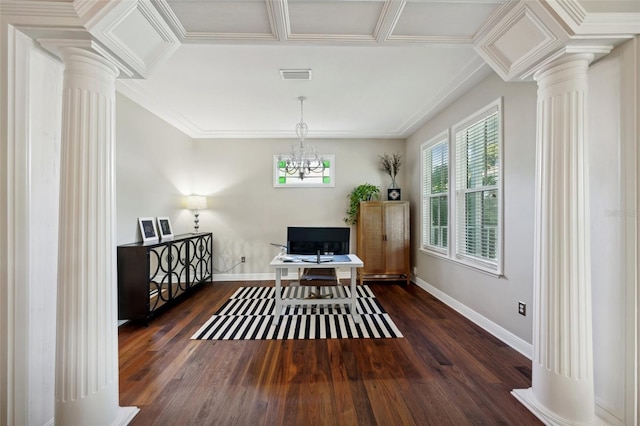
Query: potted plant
(390, 164)
(364, 192)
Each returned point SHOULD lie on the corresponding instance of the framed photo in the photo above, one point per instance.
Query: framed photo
(148, 229)
(164, 226)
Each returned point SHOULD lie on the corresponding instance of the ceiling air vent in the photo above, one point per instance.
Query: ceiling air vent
(295, 74)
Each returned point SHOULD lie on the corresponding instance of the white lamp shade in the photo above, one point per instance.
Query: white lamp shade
(196, 202)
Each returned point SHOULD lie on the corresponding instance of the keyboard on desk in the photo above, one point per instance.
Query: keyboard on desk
(309, 259)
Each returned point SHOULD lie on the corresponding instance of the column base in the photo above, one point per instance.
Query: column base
(528, 399)
(125, 415)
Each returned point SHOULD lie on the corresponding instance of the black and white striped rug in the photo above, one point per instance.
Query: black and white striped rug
(248, 315)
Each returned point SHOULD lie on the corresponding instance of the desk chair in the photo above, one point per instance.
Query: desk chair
(313, 240)
(319, 277)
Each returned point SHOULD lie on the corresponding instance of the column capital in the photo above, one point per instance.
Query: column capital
(564, 68)
(66, 49)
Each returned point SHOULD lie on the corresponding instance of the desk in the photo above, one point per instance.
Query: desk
(353, 263)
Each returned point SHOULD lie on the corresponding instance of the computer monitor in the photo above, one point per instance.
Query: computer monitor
(308, 240)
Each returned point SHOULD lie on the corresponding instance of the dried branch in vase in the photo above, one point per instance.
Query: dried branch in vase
(390, 164)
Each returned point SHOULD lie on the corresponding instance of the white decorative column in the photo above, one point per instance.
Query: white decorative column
(562, 389)
(86, 390)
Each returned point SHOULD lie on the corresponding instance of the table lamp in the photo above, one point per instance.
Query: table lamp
(195, 203)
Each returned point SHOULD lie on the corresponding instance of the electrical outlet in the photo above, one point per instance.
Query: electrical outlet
(243, 259)
(522, 308)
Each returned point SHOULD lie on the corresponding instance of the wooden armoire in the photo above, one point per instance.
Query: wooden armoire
(383, 240)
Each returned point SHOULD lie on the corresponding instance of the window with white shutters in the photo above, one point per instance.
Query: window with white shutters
(435, 194)
(462, 191)
(478, 195)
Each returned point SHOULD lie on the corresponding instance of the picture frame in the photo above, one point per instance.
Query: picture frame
(164, 228)
(148, 229)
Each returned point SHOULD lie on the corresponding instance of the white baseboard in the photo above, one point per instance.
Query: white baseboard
(244, 277)
(608, 414)
(501, 333)
(124, 417)
(526, 398)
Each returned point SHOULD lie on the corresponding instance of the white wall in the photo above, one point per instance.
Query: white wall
(495, 299)
(154, 165)
(157, 166)
(247, 213)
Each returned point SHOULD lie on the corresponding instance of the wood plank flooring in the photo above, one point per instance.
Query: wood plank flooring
(445, 371)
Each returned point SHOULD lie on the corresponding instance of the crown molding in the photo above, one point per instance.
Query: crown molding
(581, 23)
(170, 18)
(388, 20)
(43, 9)
(226, 37)
(471, 74)
(132, 90)
(493, 20)
(431, 39)
(290, 134)
(346, 38)
(276, 12)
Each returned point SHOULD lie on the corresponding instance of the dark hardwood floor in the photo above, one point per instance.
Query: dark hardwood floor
(445, 371)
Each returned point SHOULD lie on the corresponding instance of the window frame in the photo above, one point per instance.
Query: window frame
(456, 195)
(426, 196)
(493, 267)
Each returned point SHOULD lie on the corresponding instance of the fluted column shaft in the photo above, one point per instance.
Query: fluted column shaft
(562, 369)
(86, 340)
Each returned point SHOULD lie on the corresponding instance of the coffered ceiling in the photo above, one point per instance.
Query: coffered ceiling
(379, 69)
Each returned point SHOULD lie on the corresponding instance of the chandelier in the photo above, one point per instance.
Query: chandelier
(302, 160)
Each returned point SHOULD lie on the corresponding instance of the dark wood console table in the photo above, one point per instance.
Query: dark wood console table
(156, 275)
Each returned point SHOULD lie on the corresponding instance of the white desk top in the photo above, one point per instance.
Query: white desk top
(309, 261)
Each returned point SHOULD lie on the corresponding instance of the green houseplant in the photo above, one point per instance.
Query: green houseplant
(364, 192)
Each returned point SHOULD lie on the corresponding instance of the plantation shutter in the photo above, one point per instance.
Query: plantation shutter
(426, 191)
(435, 197)
(477, 184)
